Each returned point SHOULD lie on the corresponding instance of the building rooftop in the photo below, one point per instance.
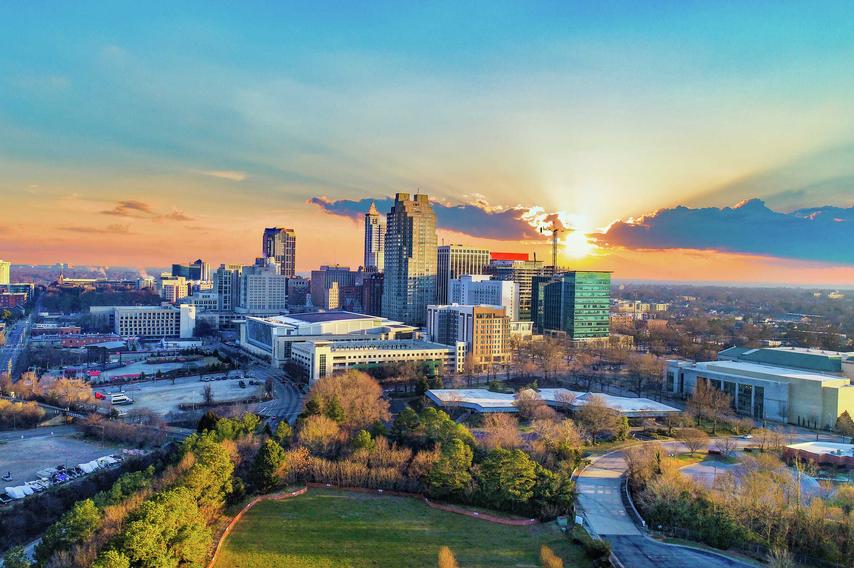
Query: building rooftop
(820, 448)
(388, 344)
(318, 317)
(764, 369)
(794, 357)
(483, 400)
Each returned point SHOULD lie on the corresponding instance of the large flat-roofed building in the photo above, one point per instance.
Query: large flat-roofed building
(263, 291)
(485, 401)
(275, 336)
(319, 358)
(817, 360)
(149, 321)
(769, 392)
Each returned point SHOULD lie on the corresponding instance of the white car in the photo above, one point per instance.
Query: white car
(120, 398)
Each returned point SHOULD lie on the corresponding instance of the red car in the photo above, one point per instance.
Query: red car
(99, 396)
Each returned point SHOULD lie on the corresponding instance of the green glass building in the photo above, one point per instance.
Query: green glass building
(576, 303)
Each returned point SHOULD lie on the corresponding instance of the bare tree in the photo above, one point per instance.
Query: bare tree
(207, 395)
(501, 430)
(710, 403)
(694, 438)
(528, 401)
(726, 445)
(595, 417)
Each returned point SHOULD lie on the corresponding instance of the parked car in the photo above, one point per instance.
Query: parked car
(120, 398)
(242, 384)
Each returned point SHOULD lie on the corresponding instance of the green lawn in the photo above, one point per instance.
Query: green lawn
(328, 528)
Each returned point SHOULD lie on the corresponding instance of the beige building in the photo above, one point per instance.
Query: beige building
(5, 271)
(485, 331)
(173, 288)
(769, 392)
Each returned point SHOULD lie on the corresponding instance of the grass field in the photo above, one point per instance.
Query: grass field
(327, 528)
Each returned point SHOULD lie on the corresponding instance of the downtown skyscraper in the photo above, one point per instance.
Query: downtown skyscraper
(410, 259)
(374, 240)
(280, 245)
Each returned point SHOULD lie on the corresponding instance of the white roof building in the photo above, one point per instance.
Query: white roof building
(482, 400)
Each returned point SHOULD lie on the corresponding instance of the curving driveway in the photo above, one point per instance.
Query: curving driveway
(599, 486)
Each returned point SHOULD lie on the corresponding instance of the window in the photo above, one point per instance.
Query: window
(759, 403)
(745, 399)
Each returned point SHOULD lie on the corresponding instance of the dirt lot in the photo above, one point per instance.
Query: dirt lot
(163, 397)
(39, 450)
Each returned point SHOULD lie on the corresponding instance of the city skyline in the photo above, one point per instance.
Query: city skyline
(651, 133)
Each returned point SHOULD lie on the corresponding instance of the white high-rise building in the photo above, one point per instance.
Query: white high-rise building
(478, 289)
(410, 259)
(5, 272)
(263, 291)
(374, 240)
(454, 261)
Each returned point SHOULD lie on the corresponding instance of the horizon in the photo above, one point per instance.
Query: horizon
(670, 142)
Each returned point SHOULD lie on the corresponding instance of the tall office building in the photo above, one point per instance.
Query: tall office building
(5, 271)
(226, 280)
(281, 245)
(517, 267)
(410, 259)
(576, 303)
(374, 239)
(372, 293)
(263, 291)
(329, 284)
(454, 261)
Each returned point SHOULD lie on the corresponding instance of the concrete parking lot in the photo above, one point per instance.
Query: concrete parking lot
(45, 448)
(163, 397)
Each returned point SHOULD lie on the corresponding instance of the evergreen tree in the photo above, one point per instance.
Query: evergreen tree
(450, 474)
(208, 421)
(267, 468)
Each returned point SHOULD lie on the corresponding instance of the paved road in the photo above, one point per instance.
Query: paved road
(599, 487)
(287, 399)
(16, 340)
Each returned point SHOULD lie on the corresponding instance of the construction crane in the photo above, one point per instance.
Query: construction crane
(556, 228)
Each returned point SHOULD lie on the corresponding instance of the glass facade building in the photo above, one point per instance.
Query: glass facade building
(576, 303)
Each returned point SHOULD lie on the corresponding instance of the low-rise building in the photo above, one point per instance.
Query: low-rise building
(149, 321)
(769, 392)
(320, 358)
(817, 360)
(485, 401)
(275, 336)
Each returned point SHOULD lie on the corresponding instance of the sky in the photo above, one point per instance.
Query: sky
(707, 141)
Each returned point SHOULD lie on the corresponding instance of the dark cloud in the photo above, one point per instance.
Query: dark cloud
(141, 210)
(131, 208)
(477, 220)
(177, 215)
(820, 233)
(108, 230)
